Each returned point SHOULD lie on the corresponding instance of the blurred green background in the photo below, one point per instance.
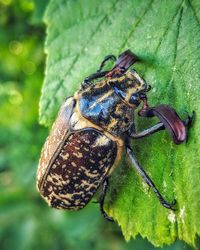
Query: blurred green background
(26, 222)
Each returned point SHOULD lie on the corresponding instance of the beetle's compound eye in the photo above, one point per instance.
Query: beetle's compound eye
(135, 99)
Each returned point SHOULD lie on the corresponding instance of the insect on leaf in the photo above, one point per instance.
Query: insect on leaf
(166, 37)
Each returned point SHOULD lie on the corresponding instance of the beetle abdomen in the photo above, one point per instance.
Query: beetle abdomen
(80, 167)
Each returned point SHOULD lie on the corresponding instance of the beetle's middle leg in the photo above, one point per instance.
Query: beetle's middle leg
(102, 198)
(149, 131)
(148, 180)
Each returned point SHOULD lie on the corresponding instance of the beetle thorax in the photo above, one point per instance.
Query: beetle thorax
(101, 105)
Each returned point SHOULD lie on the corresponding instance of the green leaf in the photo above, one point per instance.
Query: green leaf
(166, 36)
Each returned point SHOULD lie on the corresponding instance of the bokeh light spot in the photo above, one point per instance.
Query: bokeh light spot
(29, 68)
(15, 47)
(15, 97)
(5, 2)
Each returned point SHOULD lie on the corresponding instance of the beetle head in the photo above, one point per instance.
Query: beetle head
(130, 87)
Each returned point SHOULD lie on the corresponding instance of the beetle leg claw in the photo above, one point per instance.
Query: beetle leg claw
(189, 120)
(169, 205)
(106, 216)
(173, 202)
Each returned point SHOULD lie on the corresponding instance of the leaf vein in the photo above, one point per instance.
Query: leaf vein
(176, 44)
(168, 27)
(136, 24)
(194, 12)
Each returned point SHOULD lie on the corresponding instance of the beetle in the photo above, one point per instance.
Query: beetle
(91, 131)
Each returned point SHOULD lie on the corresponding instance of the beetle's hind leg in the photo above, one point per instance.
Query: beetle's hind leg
(105, 185)
(148, 180)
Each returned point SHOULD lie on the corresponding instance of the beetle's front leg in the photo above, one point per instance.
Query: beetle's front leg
(169, 120)
(106, 59)
(158, 127)
(102, 198)
(99, 73)
(147, 179)
(88, 80)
